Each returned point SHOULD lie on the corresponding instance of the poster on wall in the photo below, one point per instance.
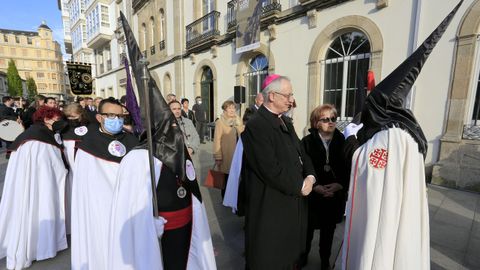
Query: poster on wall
(248, 25)
(80, 75)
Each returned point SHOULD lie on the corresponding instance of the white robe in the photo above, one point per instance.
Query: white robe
(387, 223)
(32, 214)
(69, 152)
(92, 193)
(133, 239)
(231, 193)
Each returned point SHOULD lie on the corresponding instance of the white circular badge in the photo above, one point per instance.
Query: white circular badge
(80, 131)
(117, 149)
(58, 138)
(190, 170)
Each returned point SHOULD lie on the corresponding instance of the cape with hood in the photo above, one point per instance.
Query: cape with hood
(32, 214)
(186, 242)
(387, 225)
(96, 165)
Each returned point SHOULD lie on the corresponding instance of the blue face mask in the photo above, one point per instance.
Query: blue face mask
(113, 126)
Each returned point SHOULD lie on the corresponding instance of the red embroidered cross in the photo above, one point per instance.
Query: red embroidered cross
(378, 158)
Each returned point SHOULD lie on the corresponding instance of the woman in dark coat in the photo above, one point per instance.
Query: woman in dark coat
(326, 203)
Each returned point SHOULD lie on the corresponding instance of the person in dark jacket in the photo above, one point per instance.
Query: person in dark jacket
(324, 145)
(27, 117)
(6, 109)
(278, 177)
(186, 112)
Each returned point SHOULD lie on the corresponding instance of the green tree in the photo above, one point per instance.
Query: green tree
(31, 88)
(14, 80)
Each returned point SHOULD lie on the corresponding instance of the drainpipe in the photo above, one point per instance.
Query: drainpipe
(413, 46)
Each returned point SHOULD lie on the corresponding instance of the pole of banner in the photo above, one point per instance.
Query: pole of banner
(148, 128)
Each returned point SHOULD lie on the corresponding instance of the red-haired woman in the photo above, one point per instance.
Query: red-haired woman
(32, 215)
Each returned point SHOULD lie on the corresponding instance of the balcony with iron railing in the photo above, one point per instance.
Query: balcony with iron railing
(152, 50)
(122, 58)
(204, 31)
(270, 9)
(161, 45)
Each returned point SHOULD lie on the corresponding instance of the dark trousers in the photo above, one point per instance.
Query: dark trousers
(201, 130)
(326, 239)
(175, 247)
(223, 190)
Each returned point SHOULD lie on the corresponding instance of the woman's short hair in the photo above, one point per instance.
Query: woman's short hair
(75, 108)
(46, 112)
(317, 112)
(227, 103)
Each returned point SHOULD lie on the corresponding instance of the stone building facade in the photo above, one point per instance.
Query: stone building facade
(36, 55)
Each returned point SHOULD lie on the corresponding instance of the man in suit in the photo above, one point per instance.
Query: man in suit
(278, 177)
(258, 102)
(200, 112)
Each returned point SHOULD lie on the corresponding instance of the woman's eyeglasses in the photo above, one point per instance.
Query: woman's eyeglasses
(327, 120)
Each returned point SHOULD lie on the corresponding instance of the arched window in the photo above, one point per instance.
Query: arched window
(162, 25)
(167, 84)
(347, 56)
(257, 71)
(143, 37)
(207, 91)
(152, 31)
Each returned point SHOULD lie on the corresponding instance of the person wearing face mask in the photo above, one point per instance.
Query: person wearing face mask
(96, 164)
(200, 112)
(77, 121)
(32, 214)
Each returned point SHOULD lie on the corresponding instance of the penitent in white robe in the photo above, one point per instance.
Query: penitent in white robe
(32, 214)
(387, 223)
(92, 193)
(69, 152)
(133, 240)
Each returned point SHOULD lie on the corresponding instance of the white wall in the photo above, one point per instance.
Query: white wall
(294, 42)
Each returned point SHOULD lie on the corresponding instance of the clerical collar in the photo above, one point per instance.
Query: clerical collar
(276, 114)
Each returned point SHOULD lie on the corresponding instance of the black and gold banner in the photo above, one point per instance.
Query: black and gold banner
(80, 75)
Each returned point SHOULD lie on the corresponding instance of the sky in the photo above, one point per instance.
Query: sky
(27, 15)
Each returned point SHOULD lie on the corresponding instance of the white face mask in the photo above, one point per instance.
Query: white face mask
(199, 101)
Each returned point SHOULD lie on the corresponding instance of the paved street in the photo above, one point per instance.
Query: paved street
(454, 223)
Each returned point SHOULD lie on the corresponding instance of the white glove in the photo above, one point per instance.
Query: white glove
(159, 225)
(352, 129)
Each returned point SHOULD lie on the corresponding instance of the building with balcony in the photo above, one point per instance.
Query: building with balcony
(36, 55)
(97, 39)
(322, 45)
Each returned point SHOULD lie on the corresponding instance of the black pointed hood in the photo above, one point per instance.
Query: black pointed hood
(384, 106)
(168, 142)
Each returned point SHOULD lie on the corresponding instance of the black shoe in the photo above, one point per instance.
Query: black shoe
(203, 142)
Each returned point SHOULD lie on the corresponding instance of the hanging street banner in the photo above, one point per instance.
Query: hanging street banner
(80, 75)
(248, 25)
